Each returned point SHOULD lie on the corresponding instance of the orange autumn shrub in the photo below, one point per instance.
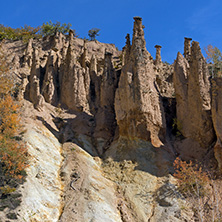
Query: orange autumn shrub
(13, 152)
(200, 189)
(191, 178)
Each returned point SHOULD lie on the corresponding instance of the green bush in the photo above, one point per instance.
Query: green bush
(49, 28)
(27, 32)
(24, 33)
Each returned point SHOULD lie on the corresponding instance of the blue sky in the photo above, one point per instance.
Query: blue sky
(166, 22)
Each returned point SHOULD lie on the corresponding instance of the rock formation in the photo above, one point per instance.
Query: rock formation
(82, 59)
(28, 54)
(105, 113)
(164, 75)
(50, 82)
(34, 84)
(138, 107)
(126, 50)
(199, 101)
(217, 118)
(192, 88)
(95, 82)
(75, 82)
(158, 59)
(58, 42)
(180, 82)
(187, 48)
(105, 116)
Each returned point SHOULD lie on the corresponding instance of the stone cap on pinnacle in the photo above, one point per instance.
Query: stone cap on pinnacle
(158, 46)
(137, 18)
(187, 38)
(138, 27)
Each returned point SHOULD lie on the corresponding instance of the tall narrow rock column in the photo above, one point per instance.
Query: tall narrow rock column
(199, 101)
(74, 81)
(28, 54)
(34, 85)
(192, 87)
(105, 116)
(83, 56)
(49, 89)
(187, 48)
(158, 55)
(138, 108)
(126, 50)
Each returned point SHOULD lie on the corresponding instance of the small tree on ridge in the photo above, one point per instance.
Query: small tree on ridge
(92, 33)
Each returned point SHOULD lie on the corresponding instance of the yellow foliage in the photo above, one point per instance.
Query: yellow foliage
(191, 178)
(13, 152)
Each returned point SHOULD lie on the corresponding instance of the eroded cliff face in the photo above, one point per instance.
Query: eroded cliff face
(101, 134)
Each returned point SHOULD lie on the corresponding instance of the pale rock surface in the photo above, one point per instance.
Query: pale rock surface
(41, 193)
(138, 107)
(141, 173)
(89, 195)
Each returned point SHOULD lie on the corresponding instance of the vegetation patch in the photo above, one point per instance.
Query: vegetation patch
(27, 32)
(13, 151)
(200, 188)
